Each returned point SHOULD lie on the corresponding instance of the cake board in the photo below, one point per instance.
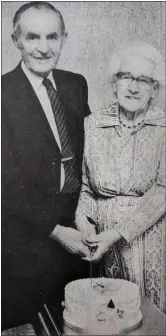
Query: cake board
(69, 328)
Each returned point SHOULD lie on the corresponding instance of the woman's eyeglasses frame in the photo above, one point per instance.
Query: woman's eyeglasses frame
(142, 81)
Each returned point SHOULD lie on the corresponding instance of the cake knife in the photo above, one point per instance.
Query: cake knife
(92, 249)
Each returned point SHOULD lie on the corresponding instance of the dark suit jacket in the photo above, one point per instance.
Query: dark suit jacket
(31, 202)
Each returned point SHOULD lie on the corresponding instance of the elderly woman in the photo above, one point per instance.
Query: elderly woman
(123, 191)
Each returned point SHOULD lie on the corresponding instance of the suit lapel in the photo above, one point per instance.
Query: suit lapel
(32, 107)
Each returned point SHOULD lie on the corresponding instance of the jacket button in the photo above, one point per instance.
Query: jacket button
(56, 192)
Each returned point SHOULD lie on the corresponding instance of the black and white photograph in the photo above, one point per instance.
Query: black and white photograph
(83, 175)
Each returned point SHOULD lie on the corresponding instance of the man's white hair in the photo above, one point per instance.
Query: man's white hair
(144, 51)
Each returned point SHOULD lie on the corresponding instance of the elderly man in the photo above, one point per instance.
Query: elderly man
(43, 110)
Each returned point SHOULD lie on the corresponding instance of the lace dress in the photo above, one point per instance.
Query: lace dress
(124, 187)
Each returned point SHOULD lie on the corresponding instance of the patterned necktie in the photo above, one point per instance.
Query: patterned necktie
(71, 177)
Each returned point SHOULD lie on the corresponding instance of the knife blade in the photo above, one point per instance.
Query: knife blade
(93, 248)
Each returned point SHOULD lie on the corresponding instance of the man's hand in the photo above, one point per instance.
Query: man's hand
(71, 239)
(103, 242)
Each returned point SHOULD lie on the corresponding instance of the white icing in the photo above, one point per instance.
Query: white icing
(86, 304)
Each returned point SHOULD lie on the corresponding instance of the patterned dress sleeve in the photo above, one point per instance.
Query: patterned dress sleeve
(151, 207)
(87, 206)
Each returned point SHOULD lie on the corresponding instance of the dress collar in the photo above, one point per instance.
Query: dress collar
(109, 116)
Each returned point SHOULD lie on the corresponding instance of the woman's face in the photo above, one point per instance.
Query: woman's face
(133, 85)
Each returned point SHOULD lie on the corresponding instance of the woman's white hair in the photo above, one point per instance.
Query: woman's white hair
(144, 51)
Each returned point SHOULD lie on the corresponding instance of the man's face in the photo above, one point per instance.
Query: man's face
(40, 40)
(133, 96)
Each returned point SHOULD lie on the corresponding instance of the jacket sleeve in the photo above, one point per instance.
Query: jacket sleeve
(38, 209)
(150, 208)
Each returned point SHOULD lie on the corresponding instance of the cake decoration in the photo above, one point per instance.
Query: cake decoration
(111, 304)
(101, 316)
(120, 313)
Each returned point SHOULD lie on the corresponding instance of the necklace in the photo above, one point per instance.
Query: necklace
(131, 127)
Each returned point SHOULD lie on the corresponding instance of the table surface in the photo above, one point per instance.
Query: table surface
(154, 323)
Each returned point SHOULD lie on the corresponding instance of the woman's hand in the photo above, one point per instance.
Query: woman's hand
(88, 231)
(89, 234)
(103, 241)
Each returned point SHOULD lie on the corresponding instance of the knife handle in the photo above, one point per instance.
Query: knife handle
(90, 220)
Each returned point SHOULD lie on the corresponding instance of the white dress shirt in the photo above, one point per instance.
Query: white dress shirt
(41, 92)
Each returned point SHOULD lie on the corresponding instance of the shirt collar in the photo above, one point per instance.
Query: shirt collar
(36, 80)
(109, 116)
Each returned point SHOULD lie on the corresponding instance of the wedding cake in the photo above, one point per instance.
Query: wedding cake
(102, 306)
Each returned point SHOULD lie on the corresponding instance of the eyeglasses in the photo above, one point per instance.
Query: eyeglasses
(143, 81)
